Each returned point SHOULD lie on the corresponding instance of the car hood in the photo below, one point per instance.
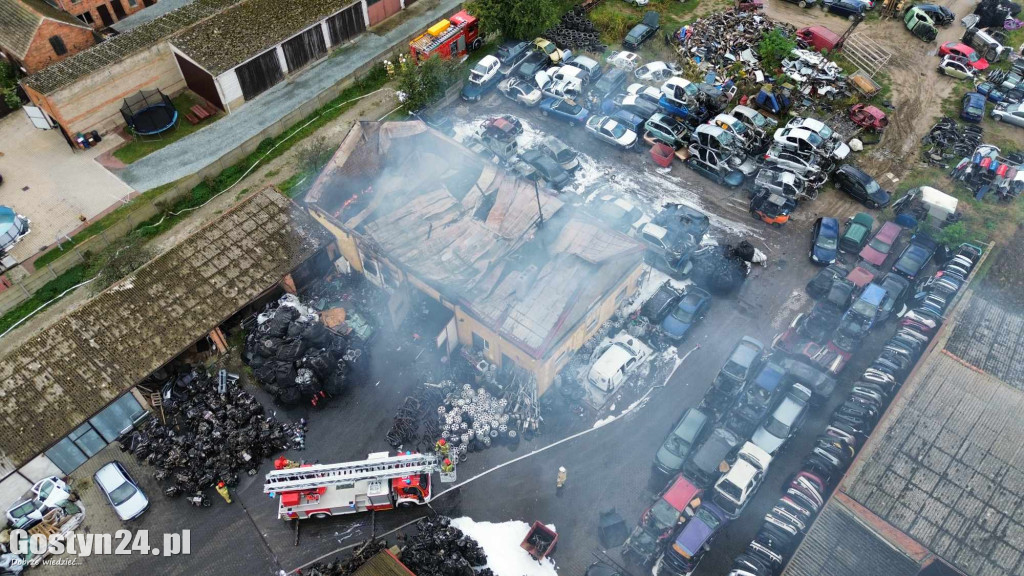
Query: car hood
(673, 327)
(823, 255)
(667, 460)
(134, 506)
(872, 256)
(766, 440)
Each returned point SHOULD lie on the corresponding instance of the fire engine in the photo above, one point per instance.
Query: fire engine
(381, 482)
(453, 37)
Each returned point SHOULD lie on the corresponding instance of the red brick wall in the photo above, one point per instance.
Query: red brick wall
(41, 53)
(82, 6)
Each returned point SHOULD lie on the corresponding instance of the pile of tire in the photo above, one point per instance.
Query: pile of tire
(576, 31)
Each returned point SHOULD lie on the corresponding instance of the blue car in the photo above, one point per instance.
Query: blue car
(824, 241)
(865, 309)
(847, 8)
(690, 310)
(673, 107)
(973, 107)
(564, 110)
(991, 92)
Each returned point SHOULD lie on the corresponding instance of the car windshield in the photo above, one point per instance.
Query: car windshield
(825, 132)
(564, 106)
(730, 489)
(616, 130)
(758, 120)
(738, 127)
(863, 308)
(548, 48)
(23, 510)
(664, 514)
(683, 316)
(826, 242)
(879, 245)
(690, 89)
(122, 493)
(975, 110)
(814, 139)
(871, 186)
(776, 428)
(734, 369)
(973, 56)
(677, 445)
(709, 519)
(45, 489)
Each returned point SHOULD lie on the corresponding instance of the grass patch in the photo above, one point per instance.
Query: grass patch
(49, 291)
(273, 173)
(139, 147)
(296, 185)
(615, 18)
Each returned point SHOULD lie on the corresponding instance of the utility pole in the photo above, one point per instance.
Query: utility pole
(540, 212)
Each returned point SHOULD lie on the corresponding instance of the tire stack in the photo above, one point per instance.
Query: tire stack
(295, 358)
(576, 31)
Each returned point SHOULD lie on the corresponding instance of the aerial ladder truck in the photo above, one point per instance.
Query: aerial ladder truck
(381, 482)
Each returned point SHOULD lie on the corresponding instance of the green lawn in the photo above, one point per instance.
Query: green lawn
(141, 147)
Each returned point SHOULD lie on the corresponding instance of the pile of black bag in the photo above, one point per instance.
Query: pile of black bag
(214, 431)
(293, 355)
(437, 549)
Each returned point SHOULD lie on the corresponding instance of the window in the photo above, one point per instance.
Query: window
(133, 3)
(58, 45)
(480, 343)
(86, 17)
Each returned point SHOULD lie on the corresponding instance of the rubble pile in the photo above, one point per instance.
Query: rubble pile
(436, 549)
(576, 31)
(814, 74)
(294, 356)
(212, 431)
(723, 38)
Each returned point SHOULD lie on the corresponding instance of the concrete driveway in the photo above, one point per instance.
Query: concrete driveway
(50, 184)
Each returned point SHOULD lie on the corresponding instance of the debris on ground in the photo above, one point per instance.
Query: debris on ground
(207, 430)
(295, 357)
(948, 141)
(988, 173)
(501, 542)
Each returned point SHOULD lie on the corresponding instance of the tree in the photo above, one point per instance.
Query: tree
(422, 85)
(518, 19)
(118, 259)
(774, 47)
(9, 86)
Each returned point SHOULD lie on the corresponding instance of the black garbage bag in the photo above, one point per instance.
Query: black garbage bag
(334, 383)
(289, 396)
(278, 324)
(291, 350)
(744, 250)
(268, 346)
(318, 336)
(320, 362)
(715, 270)
(284, 375)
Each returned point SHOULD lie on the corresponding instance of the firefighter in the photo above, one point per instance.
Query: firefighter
(447, 466)
(562, 476)
(441, 447)
(223, 491)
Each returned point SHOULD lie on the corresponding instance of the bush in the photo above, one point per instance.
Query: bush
(774, 47)
(424, 84)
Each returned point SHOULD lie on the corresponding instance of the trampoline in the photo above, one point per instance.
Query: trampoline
(149, 113)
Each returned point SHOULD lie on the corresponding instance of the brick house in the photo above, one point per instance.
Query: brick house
(34, 34)
(101, 13)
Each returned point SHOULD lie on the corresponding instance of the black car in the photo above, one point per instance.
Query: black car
(702, 467)
(512, 51)
(849, 8)
(533, 63)
(556, 176)
(663, 302)
(820, 285)
(860, 186)
(896, 289)
(642, 32)
(609, 83)
(745, 360)
(939, 14)
(915, 256)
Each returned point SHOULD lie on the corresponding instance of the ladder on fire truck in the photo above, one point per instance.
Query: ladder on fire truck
(379, 466)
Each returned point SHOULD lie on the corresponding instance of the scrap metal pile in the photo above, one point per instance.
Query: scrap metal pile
(213, 430)
(987, 172)
(576, 31)
(814, 74)
(436, 549)
(722, 38)
(295, 357)
(948, 141)
(468, 420)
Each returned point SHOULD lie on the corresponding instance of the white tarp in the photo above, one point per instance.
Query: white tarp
(939, 203)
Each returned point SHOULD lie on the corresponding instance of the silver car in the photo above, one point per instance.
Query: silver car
(784, 421)
(1012, 114)
(121, 491)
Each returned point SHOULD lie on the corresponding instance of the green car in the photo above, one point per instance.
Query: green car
(857, 232)
(920, 24)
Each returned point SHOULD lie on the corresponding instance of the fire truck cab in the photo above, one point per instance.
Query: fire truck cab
(450, 38)
(381, 482)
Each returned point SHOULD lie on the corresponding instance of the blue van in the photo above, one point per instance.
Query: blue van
(865, 308)
(973, 107)
(686, 552)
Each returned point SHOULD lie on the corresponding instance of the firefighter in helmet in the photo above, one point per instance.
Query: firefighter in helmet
(562, 477)
(447, 466)
(441, 447)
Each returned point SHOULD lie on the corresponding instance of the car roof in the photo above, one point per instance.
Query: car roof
(788, 410)
(109, 476)
(769, 376)
(864, 220)
(873, 294)
(680, 493)
(830, 225)
(888, 232)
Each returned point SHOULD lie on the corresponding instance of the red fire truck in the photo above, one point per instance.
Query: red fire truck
(449, 38)
(381, 482)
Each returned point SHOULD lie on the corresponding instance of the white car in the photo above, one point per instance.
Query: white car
(44, 496)
(484, 70)
(121, 491)
(637, 2)
(657, 71)
(784, 421)
(738, 129)
(804, 165)
(805, 141)
(624, 60)
(737, 487)
(519, 90)
(559, 83)
(644, 91)
(618, 361)
(611, 131)
(680, 90)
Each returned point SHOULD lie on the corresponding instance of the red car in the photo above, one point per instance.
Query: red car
(961, 49)
(879, 246)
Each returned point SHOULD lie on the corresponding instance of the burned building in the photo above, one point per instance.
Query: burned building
(522, 278)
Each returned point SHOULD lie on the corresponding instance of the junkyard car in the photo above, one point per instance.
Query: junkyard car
(956, 67)
(784, 421)
(612, 132)
(533, 63)
(896, 288)
(520, 91)
(850, 9)
(667, 129)
(566, 157)
(806, 141)
(687, 433)
(753, 119)
(548, 48)
(860, 186)
(619, 360)
(608, 84)
(824, 241)
(638, 105)
(736, 489)
(819, 286)
(972, 108)
(121, 491)
(938, 13)
(649, 93)
(13, 227)
(868, 117)
(673, 507)
(857, 232)
(709, 164)
(1012, 114)
(565, 110)
(759, 396)
(878, 248)
(624, 60)
(805, 165)
(45, 495)
(482, 77)
(589, 65)
(546, 167)
(920, 24)
(964, 51)
(512, 52)
(672, 236)
(657, 71)
(662, 303)
(779, 182)
(693, 541)
(820, 384)
(642, 32)
(915, 256)
(703, 465)
(690, 310)
(744, 361)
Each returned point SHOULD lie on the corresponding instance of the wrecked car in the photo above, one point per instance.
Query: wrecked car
(868, 117)
(663, 302)
(956, 67)
(618, 361)
(482, 78)
(779, 182)
(565, 110)
(821, 385)
(806, 141)
(804, 165)
(713, 166)
(611, 131)
(772, 208)
(687, 313)
(566, 157)
(649, 93)
(618, 212)
(521, 91)
(702, 466)
(672, 237)
(642, 32)
(743, 362)
(624, 60)
(657, 71)
(819, 286)
(784, 421)
(920, 24)
(667, 129)
(549, 171)
(686, 434)
(759, 396)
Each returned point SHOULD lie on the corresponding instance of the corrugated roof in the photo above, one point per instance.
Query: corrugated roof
(469, 230)
(383, 563)
(840, 544)
(117, 48)
(991, 337)
(243, 31)
(69, 371)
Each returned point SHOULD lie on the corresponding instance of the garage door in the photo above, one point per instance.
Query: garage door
(304, 48)
(199, 81)
(259, 74)
(379, 10)
(346, 24)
